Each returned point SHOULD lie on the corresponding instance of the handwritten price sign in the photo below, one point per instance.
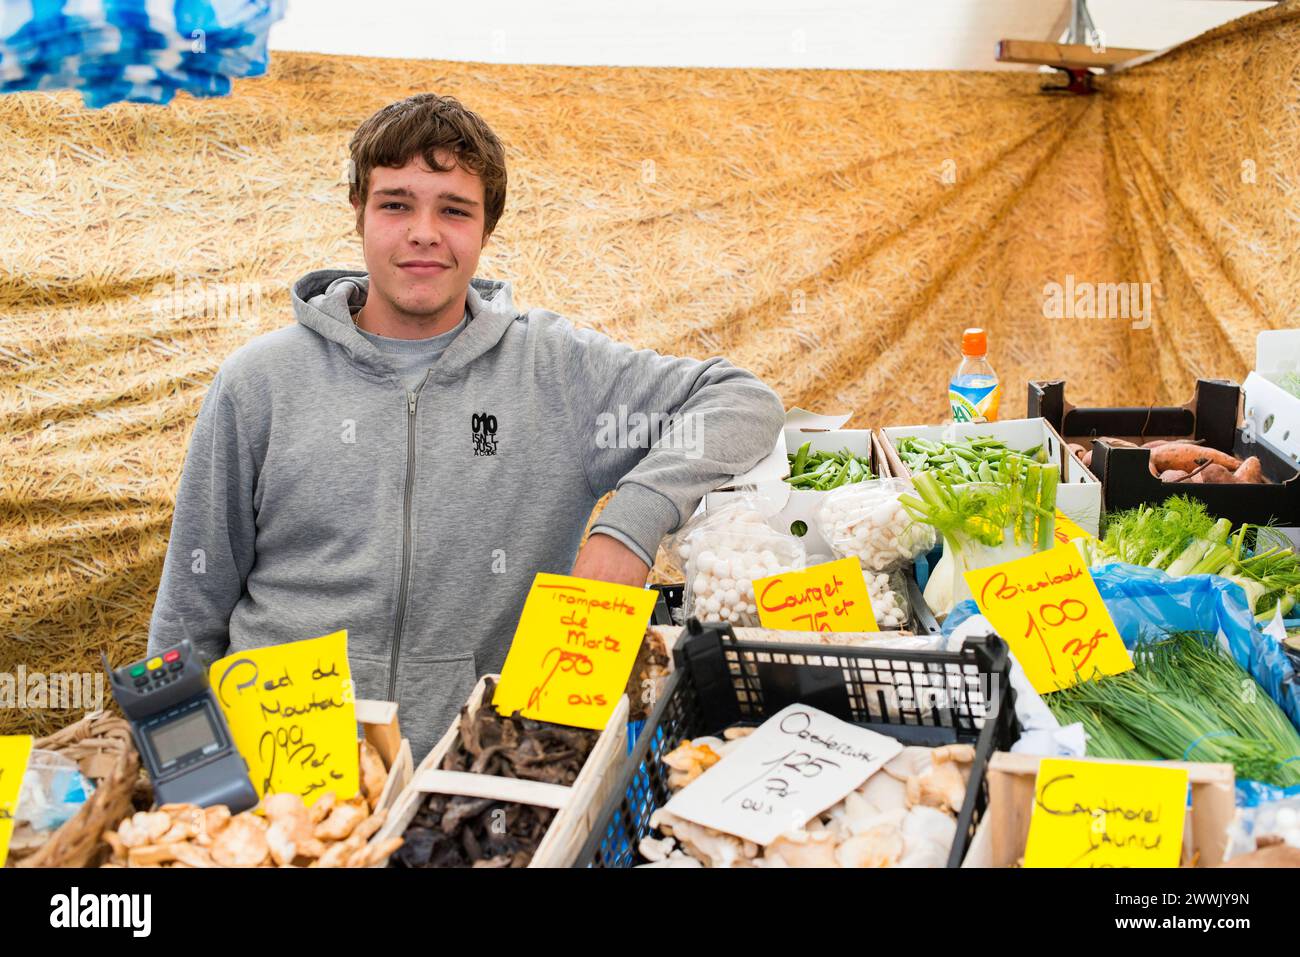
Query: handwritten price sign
(573, 650)
(1066, 530)
(292, 715)
(797, 764)
(1048, 609)
(14, 751)
(827, 597)
(1097, 814)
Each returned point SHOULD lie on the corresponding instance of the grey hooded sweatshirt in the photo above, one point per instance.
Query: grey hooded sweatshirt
(318, 493)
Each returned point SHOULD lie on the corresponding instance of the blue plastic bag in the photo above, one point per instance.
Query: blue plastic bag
(1146, 603)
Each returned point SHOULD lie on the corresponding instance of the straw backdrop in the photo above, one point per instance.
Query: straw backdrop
(832, 231)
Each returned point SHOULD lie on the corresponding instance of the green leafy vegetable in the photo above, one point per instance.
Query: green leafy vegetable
(1182, 538)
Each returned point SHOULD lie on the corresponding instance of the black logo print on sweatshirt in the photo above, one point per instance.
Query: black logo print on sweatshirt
(484, 433)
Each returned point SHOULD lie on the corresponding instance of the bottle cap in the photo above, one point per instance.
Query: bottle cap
(974, 342)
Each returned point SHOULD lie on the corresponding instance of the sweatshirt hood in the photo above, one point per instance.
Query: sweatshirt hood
(324, 300)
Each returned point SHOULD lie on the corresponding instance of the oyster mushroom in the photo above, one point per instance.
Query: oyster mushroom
(911, 762)
(942, 786)
(804, 849)
(929, 825)
(924, 854)
(374, 776)
(715, 848)
(961, 753)
(656, 850)
(880, 846)
(688, 761)
(882, 791)
(342, 821)
(241, 843)
(676, 859)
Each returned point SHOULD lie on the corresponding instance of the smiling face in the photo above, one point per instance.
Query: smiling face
(422, 234)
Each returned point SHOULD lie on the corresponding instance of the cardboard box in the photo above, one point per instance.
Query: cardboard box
(783, 505)
(1078, 496)
(1261, 420)
(1011, 780)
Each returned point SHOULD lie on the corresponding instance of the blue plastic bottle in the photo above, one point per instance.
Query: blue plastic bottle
(973, 391)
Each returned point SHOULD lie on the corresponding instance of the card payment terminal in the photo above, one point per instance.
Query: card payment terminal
(180, 731)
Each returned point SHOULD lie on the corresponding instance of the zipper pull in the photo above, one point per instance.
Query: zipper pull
(410, 402)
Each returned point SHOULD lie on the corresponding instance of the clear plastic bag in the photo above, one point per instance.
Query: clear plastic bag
(867, 522)
(888, 594)
(1276, 817)
(54, 789)
(723, 551)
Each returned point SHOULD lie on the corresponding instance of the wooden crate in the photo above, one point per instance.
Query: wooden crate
(378, 720)
(576, 806)
(1011, 779)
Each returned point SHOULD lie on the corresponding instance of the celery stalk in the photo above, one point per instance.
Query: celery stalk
(1051, 478)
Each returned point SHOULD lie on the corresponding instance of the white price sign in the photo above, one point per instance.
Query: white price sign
(797, 764)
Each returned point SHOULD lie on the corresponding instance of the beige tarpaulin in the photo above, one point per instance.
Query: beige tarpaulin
(832, 231)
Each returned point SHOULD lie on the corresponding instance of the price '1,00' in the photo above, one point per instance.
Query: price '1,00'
(1060, 615)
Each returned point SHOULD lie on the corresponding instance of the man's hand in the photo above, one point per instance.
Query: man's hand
(607, 559)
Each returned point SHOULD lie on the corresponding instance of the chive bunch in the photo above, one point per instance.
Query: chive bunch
(1185, 700)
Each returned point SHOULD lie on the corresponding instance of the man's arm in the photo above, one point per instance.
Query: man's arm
(213, 530)
(662, 431)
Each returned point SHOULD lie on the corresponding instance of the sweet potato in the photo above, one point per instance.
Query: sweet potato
(1185, 456)
(1122, 443)
(1172, 475)
(1250, 470)
(1214, 475)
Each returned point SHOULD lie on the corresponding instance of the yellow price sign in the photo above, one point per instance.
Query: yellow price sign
(1100, 814)
(573, 650)
(831, 596)
(15, 749)
(292, 715)
(1066, 530)
(1047, 608)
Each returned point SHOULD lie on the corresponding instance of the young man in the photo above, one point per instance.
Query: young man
(403, 460)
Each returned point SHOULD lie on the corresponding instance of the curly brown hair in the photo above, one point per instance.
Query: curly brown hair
(422, 125)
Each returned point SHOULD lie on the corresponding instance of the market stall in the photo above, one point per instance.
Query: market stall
(922, 631)
(843, 678)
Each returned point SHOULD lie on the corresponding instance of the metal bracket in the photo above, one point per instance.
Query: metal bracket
(1080, 82)
(1081, 30)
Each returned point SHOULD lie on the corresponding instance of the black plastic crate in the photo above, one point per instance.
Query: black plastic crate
(1213, 417)
(668, 607)
(668, 604)
(720, 681)
(922, 617)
